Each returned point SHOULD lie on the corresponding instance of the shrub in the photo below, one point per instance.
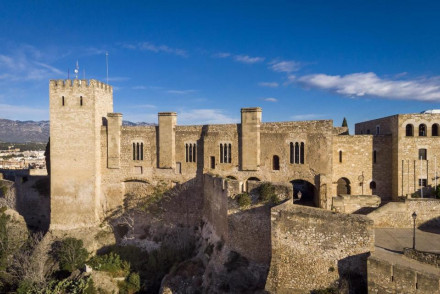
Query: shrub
(132, 284)
(243, 199)
(111, 263)
(266, 191)
(70, 253)
(274, 199)
(3, 190)
(437, 192)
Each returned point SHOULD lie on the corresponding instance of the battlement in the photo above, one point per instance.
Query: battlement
(77, 83)
(251, 109)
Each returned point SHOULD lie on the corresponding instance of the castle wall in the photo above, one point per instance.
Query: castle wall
(312, 248)
(359, 167)
(409, 168)
(77, 109)
(387, 275)
(398, 214)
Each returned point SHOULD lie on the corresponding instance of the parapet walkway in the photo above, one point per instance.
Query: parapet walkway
(397, 239)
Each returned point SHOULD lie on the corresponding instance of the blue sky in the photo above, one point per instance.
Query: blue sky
(298, 60)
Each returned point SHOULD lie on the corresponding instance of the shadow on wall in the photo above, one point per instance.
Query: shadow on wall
(353, 274)
(431, 226)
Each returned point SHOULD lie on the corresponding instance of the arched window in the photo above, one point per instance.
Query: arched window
(423, 154)
(225, 153)
(422, 130)
(276, 163)
(142, 151)
(296, 153)
(301, 153)
(373, 185)
(138, 151)
(190, 152)
(377, 130)
(374, 156)
(434, 131)
(409, 130)
(291, 152)
(340, 156)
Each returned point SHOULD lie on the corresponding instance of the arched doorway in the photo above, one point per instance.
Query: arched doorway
(343, 186)
(305, 193)
(251, 184)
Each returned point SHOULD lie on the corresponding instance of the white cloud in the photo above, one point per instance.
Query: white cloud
(285, 66)
(147, 46)
(270, 99)
(181, 92)
(269, 84)
(204, 116)
(369, 84)
(221, 55)
(308, 116)
(17, 112)
(118, 79)
(247, 59)
(25, 63)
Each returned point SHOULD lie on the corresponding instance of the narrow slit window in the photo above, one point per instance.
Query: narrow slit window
(229, 153)
(137, 151)
(291, 152)
(374, 156)
(296, 153)
(301, 153)
(81, 100)
(186, 153)
(194, 153)
(62, 100)
(221, 153)
(340, 156)
(134, 151)
(142, 151)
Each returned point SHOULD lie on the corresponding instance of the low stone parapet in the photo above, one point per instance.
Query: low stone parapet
(353, 203)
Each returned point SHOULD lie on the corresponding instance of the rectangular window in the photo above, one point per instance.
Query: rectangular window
(422, 154)
(377, 130)
(212, 162)
(422, 182)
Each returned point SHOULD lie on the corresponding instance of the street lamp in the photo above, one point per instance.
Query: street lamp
(414, 216)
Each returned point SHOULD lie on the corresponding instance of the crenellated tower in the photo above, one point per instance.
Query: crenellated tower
(78, 110)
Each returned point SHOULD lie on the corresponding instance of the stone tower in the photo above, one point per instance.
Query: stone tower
(250, 138)
(78, 110)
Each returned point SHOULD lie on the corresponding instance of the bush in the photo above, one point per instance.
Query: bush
(243, 199)
(437, 192)
(274, 199)
(132, 284)
(266, 191)
(70, 253)
(3, 190)
(111, 263)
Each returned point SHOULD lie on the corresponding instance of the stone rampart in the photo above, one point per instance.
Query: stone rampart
(398, 214)
(353, 203)
(386, 274)
(312, 248)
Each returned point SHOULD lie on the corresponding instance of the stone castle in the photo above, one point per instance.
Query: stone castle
(94, 158)
(97, 162)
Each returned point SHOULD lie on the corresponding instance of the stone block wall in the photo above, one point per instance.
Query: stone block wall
(398, 214)
(312, 248)
(387, 276)
(353, 203)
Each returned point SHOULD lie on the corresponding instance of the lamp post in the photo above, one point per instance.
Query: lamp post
(414, 216)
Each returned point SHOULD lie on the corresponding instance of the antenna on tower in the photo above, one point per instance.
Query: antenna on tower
(76, 70)
(68, 73)
(84, 74)
(106, 64)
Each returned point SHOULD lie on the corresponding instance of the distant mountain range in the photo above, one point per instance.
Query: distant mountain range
(16, 131)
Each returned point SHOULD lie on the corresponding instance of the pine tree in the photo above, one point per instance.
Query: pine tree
(344, 122)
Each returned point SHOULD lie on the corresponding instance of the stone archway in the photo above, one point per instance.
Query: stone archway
(343, 187)
(307, 191)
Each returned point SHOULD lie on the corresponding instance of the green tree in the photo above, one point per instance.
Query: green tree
(344, 123)
(47, 156)
(71, 254)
